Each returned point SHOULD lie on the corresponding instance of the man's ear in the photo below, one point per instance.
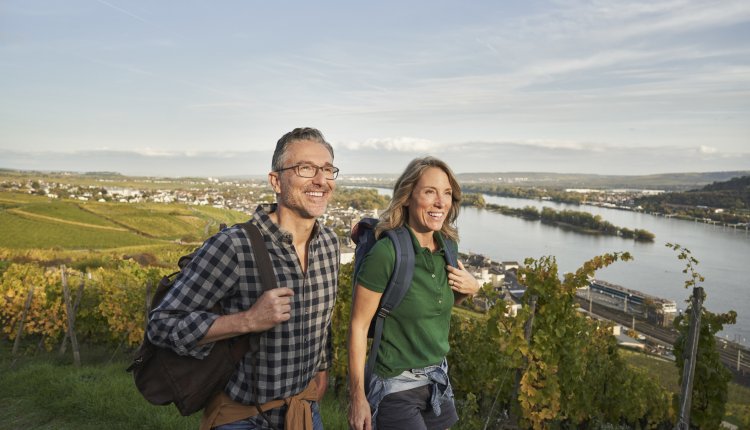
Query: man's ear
(273, 180)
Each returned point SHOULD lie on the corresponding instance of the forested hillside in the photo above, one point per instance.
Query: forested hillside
(733, 194)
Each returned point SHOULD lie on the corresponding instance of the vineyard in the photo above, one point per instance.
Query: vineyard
(32, 222)
(566, 371)
(109, 254)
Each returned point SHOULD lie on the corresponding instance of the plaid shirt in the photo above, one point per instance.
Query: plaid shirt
(224, 271)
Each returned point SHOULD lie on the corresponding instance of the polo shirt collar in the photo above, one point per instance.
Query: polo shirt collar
(418, 247)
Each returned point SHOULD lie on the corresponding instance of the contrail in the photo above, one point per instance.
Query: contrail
(124, 11)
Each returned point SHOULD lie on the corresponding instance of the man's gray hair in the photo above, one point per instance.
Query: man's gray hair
(305, 133)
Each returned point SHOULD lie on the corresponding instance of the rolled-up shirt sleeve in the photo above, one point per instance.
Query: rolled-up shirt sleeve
(184, 315)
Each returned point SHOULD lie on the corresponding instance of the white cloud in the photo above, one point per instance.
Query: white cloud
(534, 145)
(567, 145)
(394, 144)
(707, 150)
(150, 152)
(614, 20)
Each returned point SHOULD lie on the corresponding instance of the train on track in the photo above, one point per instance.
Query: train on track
(654, 309)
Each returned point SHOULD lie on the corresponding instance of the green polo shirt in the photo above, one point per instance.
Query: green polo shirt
(415, 334)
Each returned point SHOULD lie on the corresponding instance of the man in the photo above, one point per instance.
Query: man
(294, 319)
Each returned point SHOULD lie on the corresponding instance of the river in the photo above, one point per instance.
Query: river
(723, 253)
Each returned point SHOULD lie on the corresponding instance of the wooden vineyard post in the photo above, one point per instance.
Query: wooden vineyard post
(149, 299)
(689, 355)
(64, 345)
(27, 305)
(71, 319)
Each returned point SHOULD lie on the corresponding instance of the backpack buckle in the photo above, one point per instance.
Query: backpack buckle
(383, 312)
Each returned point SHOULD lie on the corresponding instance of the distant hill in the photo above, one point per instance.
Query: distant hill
(664, 181)
(733, 194)
(735, 184)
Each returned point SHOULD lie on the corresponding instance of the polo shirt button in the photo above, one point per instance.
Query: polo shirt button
(433, 275)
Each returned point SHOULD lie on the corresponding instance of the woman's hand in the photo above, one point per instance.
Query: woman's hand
(359, 413)
(461, 281)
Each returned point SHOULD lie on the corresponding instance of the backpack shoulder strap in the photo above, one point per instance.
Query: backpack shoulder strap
(398, 285)
(267, 281)
(450, 254)
(403, 270)
(262, 257)
(362, 239)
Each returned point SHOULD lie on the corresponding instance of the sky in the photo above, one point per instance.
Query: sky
(206, 88)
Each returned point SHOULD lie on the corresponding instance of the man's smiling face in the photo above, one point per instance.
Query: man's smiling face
(306, 197)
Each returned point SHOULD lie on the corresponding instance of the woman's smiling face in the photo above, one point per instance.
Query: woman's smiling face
(430, 201)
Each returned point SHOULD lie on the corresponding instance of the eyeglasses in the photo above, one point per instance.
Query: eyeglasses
(307, 170)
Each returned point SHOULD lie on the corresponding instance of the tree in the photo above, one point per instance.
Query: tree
(643, 235)
(473, 199)
(574, 374)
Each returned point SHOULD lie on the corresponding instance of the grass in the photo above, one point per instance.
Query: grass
(664, 371)
(666, 374)
(168, 221)
(45, 391)
(25, 233)
(66, 210)
(15, 199)
(226, 216)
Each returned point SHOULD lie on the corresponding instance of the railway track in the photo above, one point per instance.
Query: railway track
(735, 357)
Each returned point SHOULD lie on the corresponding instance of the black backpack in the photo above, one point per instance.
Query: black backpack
(163, 377)
(363, 235)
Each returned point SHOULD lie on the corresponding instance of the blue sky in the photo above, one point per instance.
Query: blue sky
(206, 88)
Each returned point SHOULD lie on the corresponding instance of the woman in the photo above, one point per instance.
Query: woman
(410, 387)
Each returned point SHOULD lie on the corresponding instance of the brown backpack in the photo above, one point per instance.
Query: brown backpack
(163, 377)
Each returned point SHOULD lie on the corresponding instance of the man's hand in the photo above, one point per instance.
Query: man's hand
(272, 308)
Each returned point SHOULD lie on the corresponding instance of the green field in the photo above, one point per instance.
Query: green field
(167, 221)
(19, 198)
(30, 221)
(65, 210)
(20, 232)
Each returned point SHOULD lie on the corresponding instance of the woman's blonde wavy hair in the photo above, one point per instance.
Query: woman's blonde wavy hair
(397, 213)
